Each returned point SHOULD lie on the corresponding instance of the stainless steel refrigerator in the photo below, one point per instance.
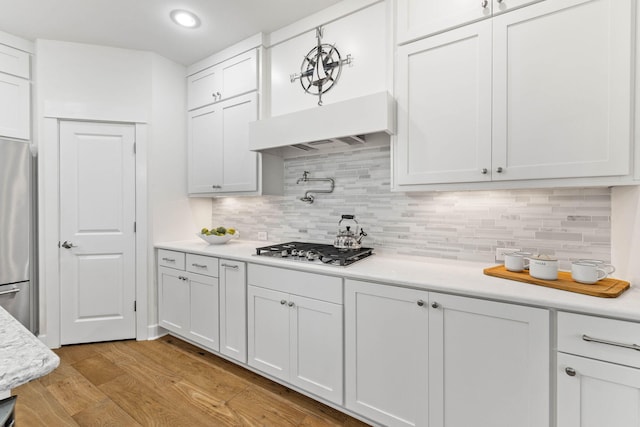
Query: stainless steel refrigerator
(16, 231)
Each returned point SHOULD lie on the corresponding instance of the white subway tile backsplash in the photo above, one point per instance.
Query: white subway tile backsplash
(568, 223)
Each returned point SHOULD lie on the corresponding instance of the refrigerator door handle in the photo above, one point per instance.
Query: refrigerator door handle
(10, 291)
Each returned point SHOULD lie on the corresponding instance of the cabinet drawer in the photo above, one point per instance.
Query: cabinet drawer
(317, 286)
(202, 265)
(599, 338)
(171, 259)
(14, 62)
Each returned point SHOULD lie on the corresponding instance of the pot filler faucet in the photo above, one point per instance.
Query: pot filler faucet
(308, 198)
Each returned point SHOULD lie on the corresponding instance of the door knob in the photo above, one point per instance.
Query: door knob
(68, 245)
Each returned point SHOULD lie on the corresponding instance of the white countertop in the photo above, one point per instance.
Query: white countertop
(456, 277)
(23, 357)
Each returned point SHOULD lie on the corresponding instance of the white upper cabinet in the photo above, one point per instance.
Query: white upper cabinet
(14, 62)
(562, 90)
(15, 107)
(15, 93)
(540, 93)
(219, 157)
(420, 18)
(444, 119)
(230, 78)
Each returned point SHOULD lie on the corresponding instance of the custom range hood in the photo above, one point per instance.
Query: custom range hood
(358, 122)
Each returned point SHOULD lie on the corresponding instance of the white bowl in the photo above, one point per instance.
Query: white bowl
(218, 240)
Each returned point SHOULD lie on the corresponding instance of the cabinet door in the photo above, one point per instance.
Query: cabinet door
(444, 108)
(173, 300)
(386, 353)
(223, 81)
(562, 90)
(204, 88)
(219, 157)
(316, 347)
(489, 363)
(419, 18)
(233, 310)
(15, 113)
(240, 165)
(268, 331)
(239, 74)
(203, 313)
(15, 62)
(597, 394)
(205, 150)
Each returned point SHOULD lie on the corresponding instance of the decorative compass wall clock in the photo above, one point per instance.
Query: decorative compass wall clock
(321, 68)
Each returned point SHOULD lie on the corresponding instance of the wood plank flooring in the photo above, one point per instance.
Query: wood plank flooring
(166, 382)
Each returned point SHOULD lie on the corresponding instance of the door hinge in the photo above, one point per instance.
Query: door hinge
(134, 148)
(135, 306)
(135, 226)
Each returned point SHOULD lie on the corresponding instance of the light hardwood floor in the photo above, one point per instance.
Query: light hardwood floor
(166, 382)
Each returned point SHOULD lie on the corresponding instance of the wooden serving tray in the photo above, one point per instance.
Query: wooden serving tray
(605, 288)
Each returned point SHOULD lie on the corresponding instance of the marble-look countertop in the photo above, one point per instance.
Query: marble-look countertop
(23, 357)
(448, 276)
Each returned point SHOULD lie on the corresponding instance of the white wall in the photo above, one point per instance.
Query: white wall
(172, 215)
(92, 82)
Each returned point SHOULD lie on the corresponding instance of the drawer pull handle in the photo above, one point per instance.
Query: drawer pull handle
(616, 344)
(229, 266)
(199, 265)
(169, 259)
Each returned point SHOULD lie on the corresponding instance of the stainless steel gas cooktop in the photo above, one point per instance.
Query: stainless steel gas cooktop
(314, 253)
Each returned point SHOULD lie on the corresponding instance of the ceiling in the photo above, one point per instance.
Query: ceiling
(145, 24)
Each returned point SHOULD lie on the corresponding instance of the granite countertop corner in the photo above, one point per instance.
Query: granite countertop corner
(23, 357)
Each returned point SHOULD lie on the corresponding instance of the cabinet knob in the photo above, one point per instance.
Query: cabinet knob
(484, 171)
(420, 303)
(571, 372)
(220, 96)
(216, 187)
(290, 303)
(499, 1)
(499, 169)
(485, 3)
(435, 305)
(283, 302)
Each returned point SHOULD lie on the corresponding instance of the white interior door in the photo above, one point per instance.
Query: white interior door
(97, 214)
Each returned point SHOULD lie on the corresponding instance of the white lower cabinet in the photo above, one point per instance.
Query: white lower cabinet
(233, 309)
(387, 353)
(598, 372)
(188, 301)
(417, 358)
(295, 324)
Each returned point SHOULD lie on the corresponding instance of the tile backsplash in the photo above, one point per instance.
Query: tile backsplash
(467, 225)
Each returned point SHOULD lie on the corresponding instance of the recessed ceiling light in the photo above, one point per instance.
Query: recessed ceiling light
(185, 18)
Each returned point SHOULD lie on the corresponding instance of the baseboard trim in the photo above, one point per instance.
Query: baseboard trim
(155, 331)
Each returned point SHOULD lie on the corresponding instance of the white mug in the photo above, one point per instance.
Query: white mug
(587, 272)
(516, 261)
(601, 264)
(545, 269)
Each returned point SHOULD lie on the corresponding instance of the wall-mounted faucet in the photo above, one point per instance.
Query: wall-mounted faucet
(308, 198)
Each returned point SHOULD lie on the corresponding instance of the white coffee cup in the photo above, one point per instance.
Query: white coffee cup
(587, 272)
(601, 264)
(516, 261)
(543, 267)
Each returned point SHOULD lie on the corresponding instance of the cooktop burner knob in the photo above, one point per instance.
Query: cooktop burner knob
(301, 253)
(284, 253)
